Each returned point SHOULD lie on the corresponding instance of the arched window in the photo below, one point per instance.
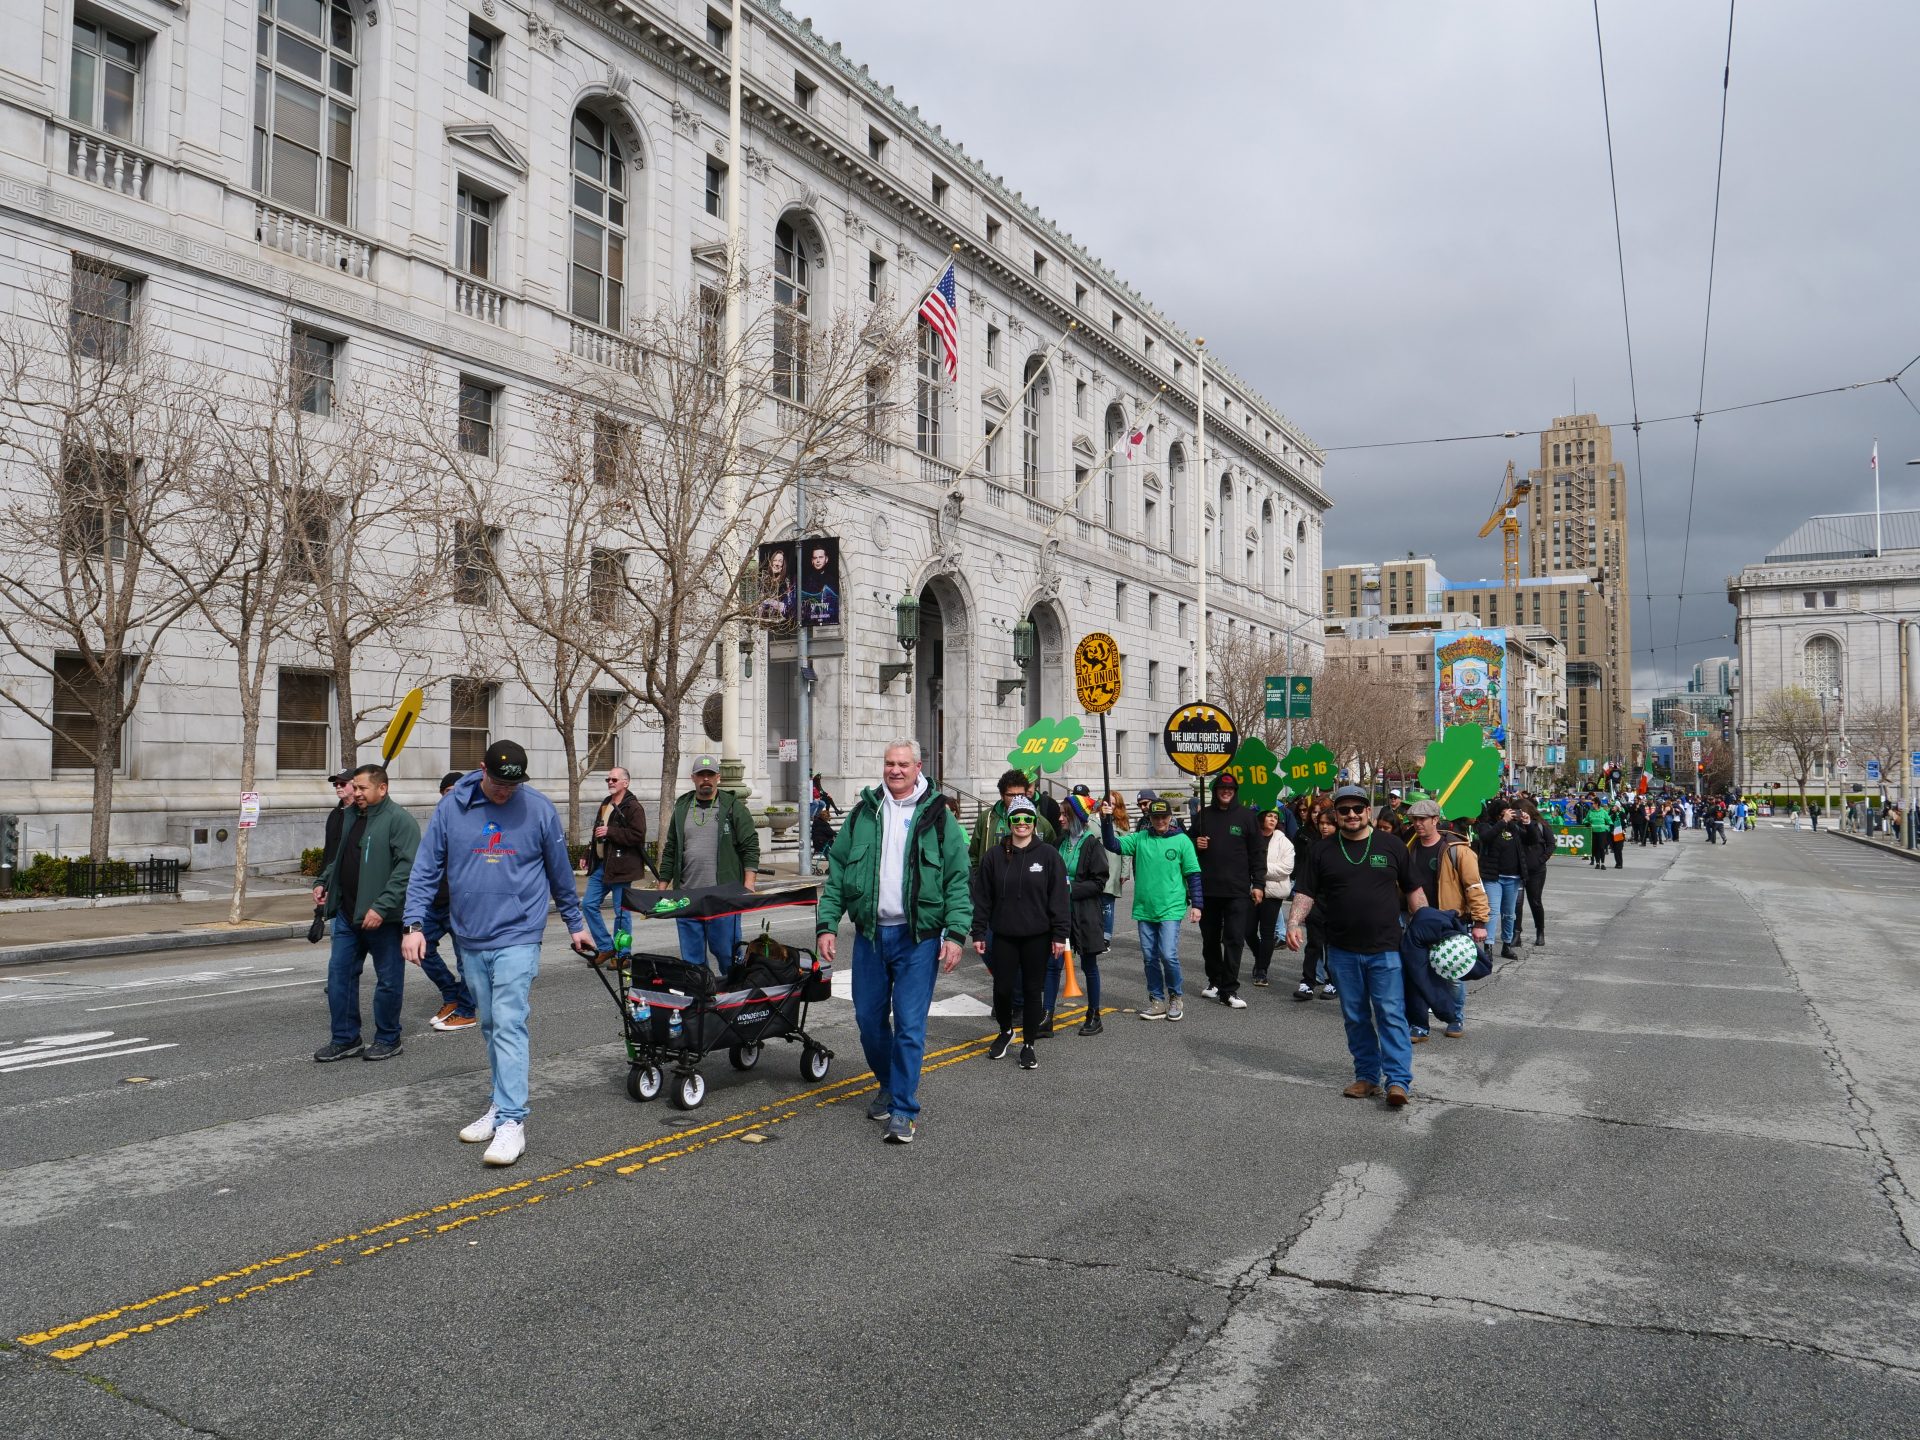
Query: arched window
(1116, 448)
(930, 373)
(1267, 547)
(1821, 663)
(1031, 414)
(1176, 487)
(1223, 525)
(599, 222)
(305, 81)
(795, 257)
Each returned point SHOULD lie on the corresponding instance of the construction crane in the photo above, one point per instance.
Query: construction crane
(1506, 518)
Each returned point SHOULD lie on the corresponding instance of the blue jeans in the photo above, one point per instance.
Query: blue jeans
(352, 948)
(1107, 903)
(453, 989)
(1380, 1042)
(502, 982)
(1160, 948)
(892, 988)
(596, 896)
(1504, 891)
(701, 938)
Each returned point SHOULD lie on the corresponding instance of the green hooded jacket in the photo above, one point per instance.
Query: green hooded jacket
(387, 848)
(737, 851)
(938, 896)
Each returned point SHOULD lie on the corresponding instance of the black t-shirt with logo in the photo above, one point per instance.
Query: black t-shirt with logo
(1361, 886)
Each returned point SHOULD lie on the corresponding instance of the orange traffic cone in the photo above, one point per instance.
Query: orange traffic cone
(1070, 982)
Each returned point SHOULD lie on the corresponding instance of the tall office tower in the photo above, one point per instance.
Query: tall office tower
(1577, 526)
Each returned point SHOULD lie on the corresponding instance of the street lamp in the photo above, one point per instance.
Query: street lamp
(1024, 649)
(906, 629)
(1901, 625)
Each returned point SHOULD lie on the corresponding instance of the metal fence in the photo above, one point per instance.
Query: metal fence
(120, 877)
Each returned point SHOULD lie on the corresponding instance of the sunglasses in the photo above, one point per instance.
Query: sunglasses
(1350, 809)
(1021, 820)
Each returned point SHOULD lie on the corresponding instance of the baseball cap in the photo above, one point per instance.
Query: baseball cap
(340, 777)
(1351, 792)
(1145, 796)
(704, 764)
(1227, 779)
(1021, 805)
(1081, 790)
(506, 763)
(450, 779)
(1423, 810)
(1394, 793)
(1159, 807)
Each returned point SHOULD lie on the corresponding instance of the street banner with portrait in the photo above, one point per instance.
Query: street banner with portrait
(1470, 680)
(799, 584)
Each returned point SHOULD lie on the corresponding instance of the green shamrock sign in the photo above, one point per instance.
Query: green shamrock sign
(1257, 769)
(1046, 745)
(1309, 767)
(1461, 771)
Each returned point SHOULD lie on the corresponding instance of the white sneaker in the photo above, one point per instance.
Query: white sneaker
(1234, 1002)
(1212, 992)
(508, 1143)
(481, 1129)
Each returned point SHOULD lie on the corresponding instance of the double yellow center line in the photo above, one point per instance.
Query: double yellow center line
(261, 1277)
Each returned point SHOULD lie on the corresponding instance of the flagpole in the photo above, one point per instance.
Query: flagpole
(1081, 489)
(1876, 497)
(1032, 380)
(1200, 514)
(732, 767)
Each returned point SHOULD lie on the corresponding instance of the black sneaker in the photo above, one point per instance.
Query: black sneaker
(900, 1131)
(338, 1050)
(381, 1050)
(1029, 1058)
(1001, 1044)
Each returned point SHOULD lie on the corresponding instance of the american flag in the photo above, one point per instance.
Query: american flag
(939, 311)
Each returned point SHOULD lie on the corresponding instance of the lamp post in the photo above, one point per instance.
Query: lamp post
(1025, 649)
(1901, 626)
(906, 630)
(1311, 619)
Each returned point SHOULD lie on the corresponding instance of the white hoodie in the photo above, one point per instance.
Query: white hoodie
(896, 819)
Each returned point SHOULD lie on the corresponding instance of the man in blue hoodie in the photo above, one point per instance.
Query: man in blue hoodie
(500, 845)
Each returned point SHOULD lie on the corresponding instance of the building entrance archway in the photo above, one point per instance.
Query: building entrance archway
(1046, 675)
(942, 684)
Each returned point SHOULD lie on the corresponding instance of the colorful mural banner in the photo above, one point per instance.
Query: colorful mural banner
(1470, 681)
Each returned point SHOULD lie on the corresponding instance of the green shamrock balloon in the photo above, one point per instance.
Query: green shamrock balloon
(1309, 767)
(1257, 769)
(1046, 745)
(1462, 771)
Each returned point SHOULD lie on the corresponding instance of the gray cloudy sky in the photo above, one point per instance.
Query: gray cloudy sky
(1393, 219)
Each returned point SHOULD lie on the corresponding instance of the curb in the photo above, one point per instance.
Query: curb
(107, 945)
(1899, 851)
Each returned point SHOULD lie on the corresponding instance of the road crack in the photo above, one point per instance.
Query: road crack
(113, 1388)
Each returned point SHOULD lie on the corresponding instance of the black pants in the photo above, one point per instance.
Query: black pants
(1266, 934)
(1536, 884)
(1019, 962)
(1313, 957)
(1223, 933)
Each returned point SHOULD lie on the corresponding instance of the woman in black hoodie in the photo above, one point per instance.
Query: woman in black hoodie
(1020, 898)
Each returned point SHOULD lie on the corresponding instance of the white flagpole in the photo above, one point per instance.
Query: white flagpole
(1200, 514)
(1033, 380)
(1069, 506)
(1876, 497)
(732, 764)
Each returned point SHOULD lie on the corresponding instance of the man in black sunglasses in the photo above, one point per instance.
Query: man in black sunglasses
(1362, 880)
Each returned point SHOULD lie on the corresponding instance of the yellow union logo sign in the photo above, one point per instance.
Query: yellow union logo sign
(1096, 672)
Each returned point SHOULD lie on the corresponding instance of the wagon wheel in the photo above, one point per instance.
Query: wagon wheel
(689, 1089)
(744, 1057)
(643, 1082)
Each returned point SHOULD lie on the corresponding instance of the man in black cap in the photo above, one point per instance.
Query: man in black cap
(1362, 879)
(500, 844)
(1233, 868)
(342, 783)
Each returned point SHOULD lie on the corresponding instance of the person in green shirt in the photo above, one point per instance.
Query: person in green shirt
(1600, 824)
(1166, 890)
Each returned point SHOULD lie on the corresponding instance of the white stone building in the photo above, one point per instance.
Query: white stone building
(495, 187)
(1820, 612)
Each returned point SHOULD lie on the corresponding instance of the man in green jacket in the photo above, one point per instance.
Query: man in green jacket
(364, 890)
(898, 870)
(710, 840)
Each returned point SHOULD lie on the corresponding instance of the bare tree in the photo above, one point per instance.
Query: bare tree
(1788, 725)
(1716, 765)
(1873, 733)
(105, 445)
(1366, 716)
(651, 448)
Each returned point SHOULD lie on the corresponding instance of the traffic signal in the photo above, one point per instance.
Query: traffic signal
(9, 841)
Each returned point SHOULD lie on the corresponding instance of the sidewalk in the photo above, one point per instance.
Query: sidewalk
(1878, 842)
(39, 937)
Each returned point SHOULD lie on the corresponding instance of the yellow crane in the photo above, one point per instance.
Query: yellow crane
(1506, 518)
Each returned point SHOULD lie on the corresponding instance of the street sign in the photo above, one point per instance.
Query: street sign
(1916, 764)
(1873, 770)
(1096, 672)
(402, 724)
(1695, 734)
(1200, 738)
(1289, 697)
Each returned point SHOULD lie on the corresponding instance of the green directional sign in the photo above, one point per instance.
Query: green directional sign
(1694, 734)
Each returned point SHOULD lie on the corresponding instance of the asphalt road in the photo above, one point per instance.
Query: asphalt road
(1665, 1186)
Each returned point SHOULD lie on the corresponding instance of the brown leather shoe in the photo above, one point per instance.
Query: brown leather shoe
(1361, 1090)
(1396, 1095)
(604, 957)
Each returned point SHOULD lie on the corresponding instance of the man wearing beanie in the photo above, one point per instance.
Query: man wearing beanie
(1233, 869)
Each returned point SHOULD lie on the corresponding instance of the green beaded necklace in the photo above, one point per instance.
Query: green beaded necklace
(1363, 854)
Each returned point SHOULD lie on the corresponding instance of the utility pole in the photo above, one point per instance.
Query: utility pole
(1200, 513)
